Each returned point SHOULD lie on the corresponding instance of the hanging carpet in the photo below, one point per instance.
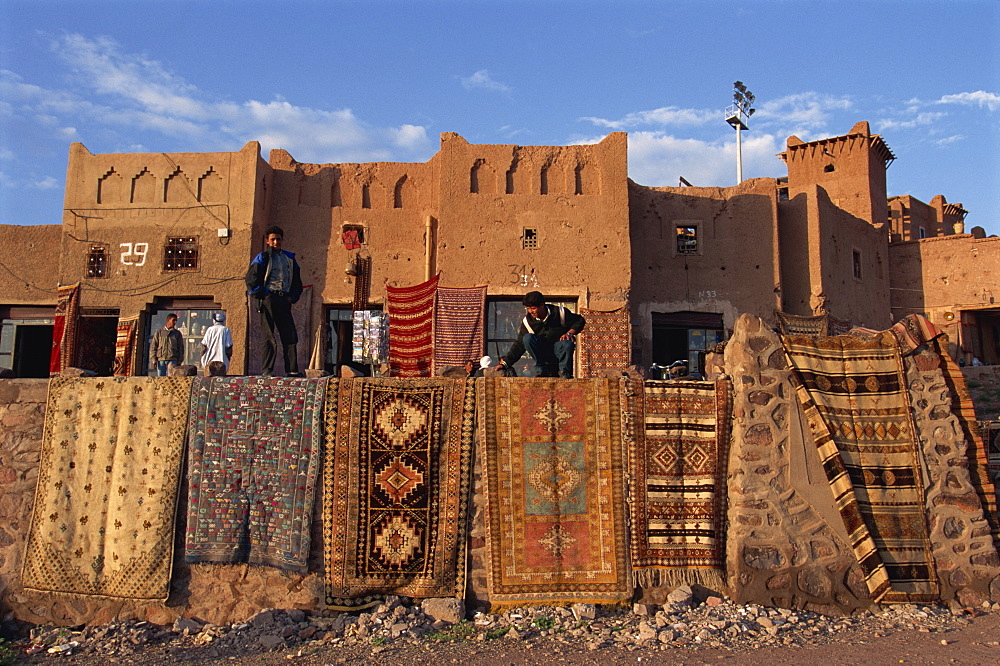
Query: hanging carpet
(124, 365)
(411, 323)
(253, 464)
(605, 342)
(678, 483)
(555, 513)
(857, 405)
(458, 325)
(67, 319)
(396, 482)
(790, 324)
(103, 518)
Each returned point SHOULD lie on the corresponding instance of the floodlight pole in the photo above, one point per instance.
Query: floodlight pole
(735, 113)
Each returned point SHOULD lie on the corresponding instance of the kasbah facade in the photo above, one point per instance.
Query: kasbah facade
(147, 234)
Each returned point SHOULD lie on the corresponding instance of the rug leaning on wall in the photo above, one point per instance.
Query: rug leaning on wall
(103, 520)
(396, 489)
(552, 456)
(678, 462)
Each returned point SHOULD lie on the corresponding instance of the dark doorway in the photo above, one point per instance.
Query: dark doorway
(685, 336)
(32, 347)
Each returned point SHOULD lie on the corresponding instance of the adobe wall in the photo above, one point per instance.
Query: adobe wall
(836, 236)
(29, 253)
(736, 268)
(935, 276)
(131, 203)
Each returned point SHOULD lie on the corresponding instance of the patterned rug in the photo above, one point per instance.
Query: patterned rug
(103, 523)
(67, 318)
(253, 463)
(555, 511)
(458, 325)
(678, 483)
(790, 324)
(605, 342)
(411, 323)
(855, 398)
(396, 484)
(913, 331)
(125, 346)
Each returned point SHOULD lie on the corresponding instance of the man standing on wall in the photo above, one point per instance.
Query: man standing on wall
(548, 333)
(274, 282)
(167, 347)
(217, 344)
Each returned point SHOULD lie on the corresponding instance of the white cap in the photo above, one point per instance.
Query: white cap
(485, 362)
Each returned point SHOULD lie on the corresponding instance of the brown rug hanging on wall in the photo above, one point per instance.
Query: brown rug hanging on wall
(396, 482)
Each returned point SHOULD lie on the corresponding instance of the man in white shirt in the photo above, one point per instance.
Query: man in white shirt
(217, 344)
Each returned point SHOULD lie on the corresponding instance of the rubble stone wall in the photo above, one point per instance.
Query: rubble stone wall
(968, 567)
(786, 544)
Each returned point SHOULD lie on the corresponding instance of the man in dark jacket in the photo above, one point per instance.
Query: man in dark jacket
(167, 347)
(274, 282)
(548, 333)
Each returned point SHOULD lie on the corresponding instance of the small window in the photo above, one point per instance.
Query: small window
(97, 262)
(829, 168)
(353, 236)
(687, 239)
(857, 264)
(529, 239)
(782, 194)
(181, 254)
(922, 232)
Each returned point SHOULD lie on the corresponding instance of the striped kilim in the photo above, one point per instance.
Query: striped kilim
(914, 331)
(67, 320)
(605, 343)
(678, 482)
(125, 346)
(458, 325)
(857, 405)
(106, 498)
(253, 465)
(555, 510)
(411, 324)
(798, 325)
(396, 482)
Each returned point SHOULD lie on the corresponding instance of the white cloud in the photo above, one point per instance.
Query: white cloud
(126, 93)
(664, 116)
(924, 118)
(482, 79)
(410, 137)
(801, 112)
(980, 98)
(46, 183)
(658, 159)
(948, 140)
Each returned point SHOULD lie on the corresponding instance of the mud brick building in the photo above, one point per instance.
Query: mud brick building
(147, 234)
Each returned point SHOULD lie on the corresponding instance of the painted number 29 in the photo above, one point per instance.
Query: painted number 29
(134, 254)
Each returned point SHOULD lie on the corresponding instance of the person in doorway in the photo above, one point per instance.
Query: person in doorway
(274, 282)
(217, 344)
(548, 333)
(167, 347)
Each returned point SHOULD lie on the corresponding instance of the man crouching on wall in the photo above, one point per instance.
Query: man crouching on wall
(273, 280)
(548, 333)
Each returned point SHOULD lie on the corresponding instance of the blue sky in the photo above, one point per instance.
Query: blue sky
(359, 81)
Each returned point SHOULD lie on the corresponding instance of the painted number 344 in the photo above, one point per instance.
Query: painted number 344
(134, 254)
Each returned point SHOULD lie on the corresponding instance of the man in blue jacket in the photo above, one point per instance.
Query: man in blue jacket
(274, 282)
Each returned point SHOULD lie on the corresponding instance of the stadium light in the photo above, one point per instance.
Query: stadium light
(737, 115)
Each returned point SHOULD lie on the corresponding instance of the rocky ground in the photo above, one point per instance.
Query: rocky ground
(685, 630)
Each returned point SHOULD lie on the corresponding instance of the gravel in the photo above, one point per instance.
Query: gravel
(682, 623)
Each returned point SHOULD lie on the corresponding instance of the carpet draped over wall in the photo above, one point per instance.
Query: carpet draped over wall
(458, 325)
(396, 483)
(67, 319)
(125, 344)
(605, 342)
(411, 324)
(855, 398)
(552, 456)
(253, 464)
(103, 520)
(678, 482)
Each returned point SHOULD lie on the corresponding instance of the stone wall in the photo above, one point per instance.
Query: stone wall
(786, 544)
(968, 567)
